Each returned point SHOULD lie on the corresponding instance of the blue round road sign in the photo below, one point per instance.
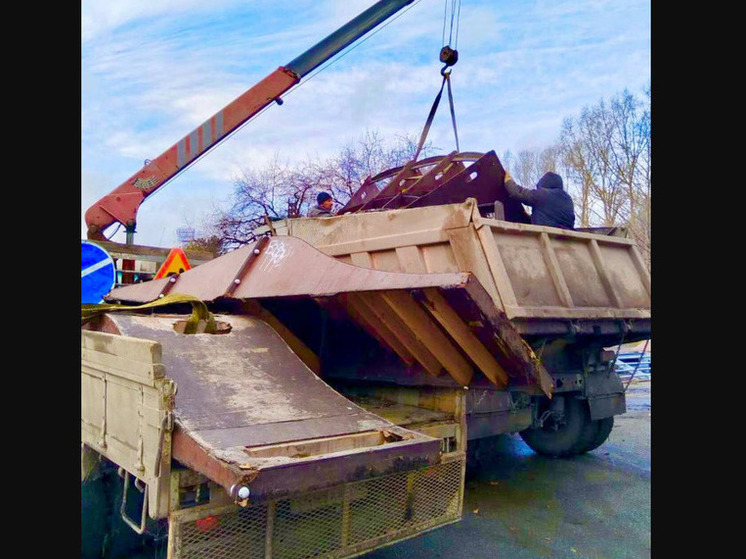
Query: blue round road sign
(97, 273)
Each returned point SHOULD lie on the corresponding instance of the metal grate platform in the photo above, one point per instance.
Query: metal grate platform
(340, 522)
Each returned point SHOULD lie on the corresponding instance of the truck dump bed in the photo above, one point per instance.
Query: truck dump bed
(546, 280)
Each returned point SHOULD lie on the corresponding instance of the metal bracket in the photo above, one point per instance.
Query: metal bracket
(169, 286)
(142, 488)
(253, 255)
(240, 494)
(556, 408)
(167, 425)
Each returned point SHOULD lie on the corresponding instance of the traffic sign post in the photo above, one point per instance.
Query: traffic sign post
(97, 273)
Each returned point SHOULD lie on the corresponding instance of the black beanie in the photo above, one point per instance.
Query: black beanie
(321, 197)
(550, 180)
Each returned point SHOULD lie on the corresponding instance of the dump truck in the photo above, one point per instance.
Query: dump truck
(315, 392)
(565, 296)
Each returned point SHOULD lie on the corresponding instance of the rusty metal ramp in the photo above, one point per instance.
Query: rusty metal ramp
(248, 412)
(434, 322)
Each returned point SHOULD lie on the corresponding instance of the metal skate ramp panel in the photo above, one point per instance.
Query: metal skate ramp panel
(249, 412)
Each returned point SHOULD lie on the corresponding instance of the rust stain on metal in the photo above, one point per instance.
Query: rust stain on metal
(187, 451)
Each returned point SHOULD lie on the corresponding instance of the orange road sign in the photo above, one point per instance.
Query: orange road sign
(176, 263)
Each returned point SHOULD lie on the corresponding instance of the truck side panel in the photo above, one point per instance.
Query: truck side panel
(126, 406)
(529, 271)
(552, 272)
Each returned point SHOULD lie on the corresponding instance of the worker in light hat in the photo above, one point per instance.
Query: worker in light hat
(323, 207)
(550, 204)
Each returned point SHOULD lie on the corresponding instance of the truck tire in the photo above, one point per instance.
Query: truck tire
(567, 436)
(596, 434)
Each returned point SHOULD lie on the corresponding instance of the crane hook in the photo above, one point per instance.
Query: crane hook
(449, 57)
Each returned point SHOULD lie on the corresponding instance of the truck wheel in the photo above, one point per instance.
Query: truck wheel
(597, 434)
(565, 436)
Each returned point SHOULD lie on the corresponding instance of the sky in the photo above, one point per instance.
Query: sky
(153, 70)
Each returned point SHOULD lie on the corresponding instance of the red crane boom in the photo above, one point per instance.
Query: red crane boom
(121, 205)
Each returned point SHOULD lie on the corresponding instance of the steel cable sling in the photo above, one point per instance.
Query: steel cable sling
(449, 57)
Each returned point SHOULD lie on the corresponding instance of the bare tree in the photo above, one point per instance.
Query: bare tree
(578, 169)
(548, 159)
(528, 166)
(605, 155)
(278, 190)
(526, 170)
(587, 149)
(367, 156)
(507, 159)
(632, 162)
(258, 193)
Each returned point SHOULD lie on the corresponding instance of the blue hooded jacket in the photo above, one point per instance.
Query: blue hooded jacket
(550, 204)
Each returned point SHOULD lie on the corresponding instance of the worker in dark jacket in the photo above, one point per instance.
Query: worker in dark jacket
(323, 208)
(550, 204)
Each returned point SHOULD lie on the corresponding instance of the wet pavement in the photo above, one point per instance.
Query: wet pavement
(520, 505)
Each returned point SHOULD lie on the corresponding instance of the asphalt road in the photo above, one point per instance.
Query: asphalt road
(520, 505)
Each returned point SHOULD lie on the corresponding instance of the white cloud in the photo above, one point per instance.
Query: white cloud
(99, 18)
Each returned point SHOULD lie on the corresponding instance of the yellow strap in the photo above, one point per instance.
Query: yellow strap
(199, 312)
